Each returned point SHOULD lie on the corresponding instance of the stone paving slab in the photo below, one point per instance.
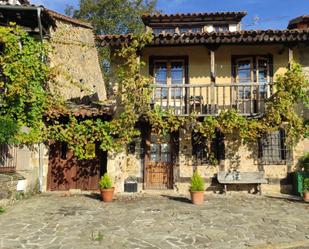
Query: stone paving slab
(144, 222)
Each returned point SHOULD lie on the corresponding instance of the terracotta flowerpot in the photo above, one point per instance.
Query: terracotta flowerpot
(197, 197)
(107, 194)
(306, 196)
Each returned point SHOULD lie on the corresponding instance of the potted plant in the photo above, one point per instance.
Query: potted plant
(106, 188)
(306, 189)
(197, 188)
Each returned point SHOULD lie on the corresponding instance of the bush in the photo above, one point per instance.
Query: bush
(197, 182)
(2, 210)
(105, 182)
(304, 161)
(306, 185)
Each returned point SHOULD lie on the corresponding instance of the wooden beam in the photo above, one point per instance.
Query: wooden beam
(291, 55)
(212, 66)
(213, 78)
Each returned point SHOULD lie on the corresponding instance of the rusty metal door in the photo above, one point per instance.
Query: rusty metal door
(159, 162)
(67, 172)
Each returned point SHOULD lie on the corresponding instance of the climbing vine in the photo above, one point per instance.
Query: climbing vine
(291, 89)
(133, 91)
(22, 84)
(133, 94)
(25, 100)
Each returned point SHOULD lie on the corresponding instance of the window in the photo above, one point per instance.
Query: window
(181, 30)
(221, 28)
(272, 148)
(200, 150)
(190, 30)
(252, 69)
(249, 70)
(196, 29)
(160, 149)
(158, 31)
(167, 73)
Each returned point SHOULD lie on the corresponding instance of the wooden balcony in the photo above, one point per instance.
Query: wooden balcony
(210, 99)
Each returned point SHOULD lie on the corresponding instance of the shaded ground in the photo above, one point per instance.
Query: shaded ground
(232, 221)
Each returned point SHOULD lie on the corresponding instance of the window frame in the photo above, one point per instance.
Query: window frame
(217, 27)
(217, 147)
(254, 66)
(274, 150)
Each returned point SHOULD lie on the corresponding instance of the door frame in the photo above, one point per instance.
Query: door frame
(174, 154)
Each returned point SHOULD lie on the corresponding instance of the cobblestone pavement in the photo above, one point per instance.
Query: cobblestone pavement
(232, 221)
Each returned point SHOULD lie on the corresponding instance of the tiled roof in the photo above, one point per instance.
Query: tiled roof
(53, 14)
(69, 19)
(84, 110)
(245, 36)
(147, 18)
(20, 1)
(293, 23)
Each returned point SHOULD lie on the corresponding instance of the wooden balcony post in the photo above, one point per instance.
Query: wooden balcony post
(291, 53)
(212, 50)
(291, 56)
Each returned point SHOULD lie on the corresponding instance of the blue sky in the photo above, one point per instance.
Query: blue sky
(262, 14)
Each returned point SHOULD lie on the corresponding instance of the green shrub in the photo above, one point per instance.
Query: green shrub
(105, 182)
(197, 182)
(306, 185)
(2, 210)
(304, 161)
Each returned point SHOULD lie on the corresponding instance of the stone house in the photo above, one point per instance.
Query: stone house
(205, 63)
(78, 79)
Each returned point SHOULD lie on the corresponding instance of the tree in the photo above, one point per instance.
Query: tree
(114, 17)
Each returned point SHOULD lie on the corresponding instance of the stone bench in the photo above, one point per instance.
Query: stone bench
(236, 177)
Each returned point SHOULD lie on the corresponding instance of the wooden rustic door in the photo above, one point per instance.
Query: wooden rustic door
(159, 162)
(67, 172)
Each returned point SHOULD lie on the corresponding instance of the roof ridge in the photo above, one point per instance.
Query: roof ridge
(270, 35)
(70, 19)
(195, 13)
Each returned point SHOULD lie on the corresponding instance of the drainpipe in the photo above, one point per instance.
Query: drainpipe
(41, 159)
(39, 12)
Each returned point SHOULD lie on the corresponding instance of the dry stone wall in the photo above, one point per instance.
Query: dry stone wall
(75, 60)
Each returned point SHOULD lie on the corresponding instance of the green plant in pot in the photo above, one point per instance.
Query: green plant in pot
(197, 188)
(106, 188)
(306, 189)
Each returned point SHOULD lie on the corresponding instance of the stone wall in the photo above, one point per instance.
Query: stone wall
(27, 180)
(32, 168)
(75, 60)
(238, 156)
(124, 165)
(8, 188)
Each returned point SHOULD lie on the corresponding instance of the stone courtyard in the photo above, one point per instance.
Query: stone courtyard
(55, 221)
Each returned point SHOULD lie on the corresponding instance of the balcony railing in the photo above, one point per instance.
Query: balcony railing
(210, 99)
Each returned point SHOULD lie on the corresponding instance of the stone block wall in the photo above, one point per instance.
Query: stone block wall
(75, 60)
(238, 156)
(8, 188)
(28, 170)
(124, 165)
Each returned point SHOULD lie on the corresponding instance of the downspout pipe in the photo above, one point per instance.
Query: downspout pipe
(39, 13)
(38, 9)
(41, 149)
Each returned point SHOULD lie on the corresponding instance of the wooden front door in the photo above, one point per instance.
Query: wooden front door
(67, 172)
(159, 162)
